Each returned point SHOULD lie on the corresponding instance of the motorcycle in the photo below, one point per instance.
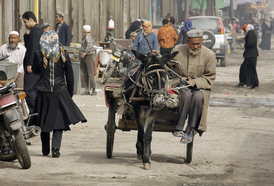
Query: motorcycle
(14, 134)
(118, 64)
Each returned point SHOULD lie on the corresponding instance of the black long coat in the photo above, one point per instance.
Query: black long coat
(54, 105)
(251, 45)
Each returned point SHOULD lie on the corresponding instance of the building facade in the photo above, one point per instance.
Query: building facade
(95, 13)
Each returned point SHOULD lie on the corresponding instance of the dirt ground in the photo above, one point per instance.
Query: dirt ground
(237, 149)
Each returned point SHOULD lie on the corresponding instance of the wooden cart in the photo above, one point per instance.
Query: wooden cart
(164, 121)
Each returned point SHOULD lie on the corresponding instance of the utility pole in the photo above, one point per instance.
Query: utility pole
(202, 8)
(179, 10)
(231, 9)
(153, 12)
(186, 9)
(211, 10)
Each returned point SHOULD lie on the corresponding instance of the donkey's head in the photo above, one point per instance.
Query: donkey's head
(154, 75)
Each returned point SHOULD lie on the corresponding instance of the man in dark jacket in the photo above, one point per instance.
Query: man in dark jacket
(134, 26)
(31, 39)
(62, 29)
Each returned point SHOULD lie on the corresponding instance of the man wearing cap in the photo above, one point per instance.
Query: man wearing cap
(62, 29)
(31, 39)
(16, 53)
(87, 62)
(46, 27)
(198, 74)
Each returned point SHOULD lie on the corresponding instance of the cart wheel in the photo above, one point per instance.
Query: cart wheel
(107, 72)
(110, 127)
(189, 149)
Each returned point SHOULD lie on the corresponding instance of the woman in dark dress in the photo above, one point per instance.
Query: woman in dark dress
(248, 74)
(54, 105)
(266, 35)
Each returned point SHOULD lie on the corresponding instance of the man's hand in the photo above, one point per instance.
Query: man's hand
(133, 58)
(83, 55)
(29, 69)
(191, 82)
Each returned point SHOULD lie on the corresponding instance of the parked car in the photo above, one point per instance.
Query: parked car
(214, 35)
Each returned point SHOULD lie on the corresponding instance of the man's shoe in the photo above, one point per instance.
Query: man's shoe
(85, 93)
(55, 153)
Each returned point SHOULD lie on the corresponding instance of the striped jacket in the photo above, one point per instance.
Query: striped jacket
(87, 45)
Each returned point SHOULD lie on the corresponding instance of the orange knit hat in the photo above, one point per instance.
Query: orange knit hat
(244, 27)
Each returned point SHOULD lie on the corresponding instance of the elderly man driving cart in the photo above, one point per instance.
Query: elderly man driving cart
(198, 75)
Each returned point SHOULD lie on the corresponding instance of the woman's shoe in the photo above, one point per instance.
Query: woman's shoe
(55, 153)
(253, 87)
(240, 85)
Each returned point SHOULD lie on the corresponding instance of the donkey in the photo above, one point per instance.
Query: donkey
(149, 89)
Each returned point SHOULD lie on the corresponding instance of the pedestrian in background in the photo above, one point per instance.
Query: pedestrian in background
(31, 39)
(87, 62)
(266, 34)
(234, 29)
(140, 42)
(166, 38)
(54, 105)
(46, 27)
(16, 53)
(248, 73)
(256, 26)
(182, 36)
(62, 29)
(271, 22)
(133, 27)
(171, 22)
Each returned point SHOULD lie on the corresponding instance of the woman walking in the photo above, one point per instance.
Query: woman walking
(266, 35)
(54, 105)
(248, 74)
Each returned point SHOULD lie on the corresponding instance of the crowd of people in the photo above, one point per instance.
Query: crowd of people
(45, 72)
(189, 43)
(263, 30)
(257, 36)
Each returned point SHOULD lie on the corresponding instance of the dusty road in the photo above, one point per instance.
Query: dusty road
(237, 149)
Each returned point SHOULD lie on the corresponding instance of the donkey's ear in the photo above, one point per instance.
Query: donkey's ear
(139, 56)
(169, 57)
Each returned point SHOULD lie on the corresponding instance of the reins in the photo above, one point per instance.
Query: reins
(147, 87)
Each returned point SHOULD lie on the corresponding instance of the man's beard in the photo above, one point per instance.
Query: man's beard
(194, 53)
(12, 46)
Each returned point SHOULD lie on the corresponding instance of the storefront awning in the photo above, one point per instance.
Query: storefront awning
(239, 2)
(198, 3)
